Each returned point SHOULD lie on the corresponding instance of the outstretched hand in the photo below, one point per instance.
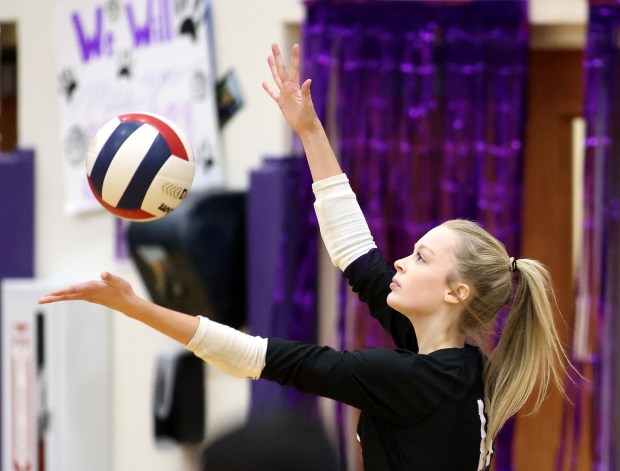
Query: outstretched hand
(111, 291)
(294, 100)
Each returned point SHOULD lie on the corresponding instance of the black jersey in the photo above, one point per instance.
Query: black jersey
(418, 412)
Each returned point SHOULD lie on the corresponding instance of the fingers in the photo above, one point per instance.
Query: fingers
(69, 290)
(81, 291)
(274, 71)
(52, 298)
(278, 69)
(270, 91)
(305, 88)
(294, 74)
(279, 63)
(46, 299)
(91, 291)
(70, 293)
(110, 279)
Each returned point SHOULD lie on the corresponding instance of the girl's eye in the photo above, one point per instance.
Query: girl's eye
(418, 257)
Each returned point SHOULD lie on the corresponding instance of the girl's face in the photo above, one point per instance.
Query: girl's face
(420, 287)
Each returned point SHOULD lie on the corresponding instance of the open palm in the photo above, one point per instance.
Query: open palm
(294, 100)
(110, 291)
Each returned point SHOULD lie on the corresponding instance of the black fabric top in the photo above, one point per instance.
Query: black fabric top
(418, 412)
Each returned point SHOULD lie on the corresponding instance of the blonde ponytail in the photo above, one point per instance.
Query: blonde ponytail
(529, 352)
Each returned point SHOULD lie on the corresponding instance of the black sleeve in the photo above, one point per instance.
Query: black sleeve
(398, 385)
(370, 275)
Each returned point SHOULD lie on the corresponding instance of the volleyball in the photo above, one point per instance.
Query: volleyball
(140, 166)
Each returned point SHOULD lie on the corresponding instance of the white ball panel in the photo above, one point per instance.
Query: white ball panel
(126, 162)
(101, 137)
(159, 202)
(170, 187)
(179, 169)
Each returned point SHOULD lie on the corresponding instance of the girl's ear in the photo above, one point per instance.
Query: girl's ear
(459, 293)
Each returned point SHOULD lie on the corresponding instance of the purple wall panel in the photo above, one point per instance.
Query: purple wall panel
(17, 223)
(273, 261)
(17, 209)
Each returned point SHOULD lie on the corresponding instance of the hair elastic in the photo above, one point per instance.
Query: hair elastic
(513, 264)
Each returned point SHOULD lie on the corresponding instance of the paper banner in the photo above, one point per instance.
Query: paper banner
(117, 57)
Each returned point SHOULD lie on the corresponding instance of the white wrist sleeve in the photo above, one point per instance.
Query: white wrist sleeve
(229, 350)
(343, 227)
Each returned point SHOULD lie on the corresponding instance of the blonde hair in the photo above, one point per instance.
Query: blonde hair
(529, 351)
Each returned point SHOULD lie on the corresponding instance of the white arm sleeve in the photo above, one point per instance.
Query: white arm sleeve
(343, 227)
(229, 350)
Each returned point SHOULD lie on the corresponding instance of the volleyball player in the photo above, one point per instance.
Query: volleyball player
(434, 402)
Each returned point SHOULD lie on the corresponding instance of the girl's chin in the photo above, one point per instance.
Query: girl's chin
(390, 301)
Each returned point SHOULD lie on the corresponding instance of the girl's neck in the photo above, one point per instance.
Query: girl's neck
(434, 333)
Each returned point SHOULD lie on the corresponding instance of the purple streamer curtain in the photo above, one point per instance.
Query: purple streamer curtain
(598, 306)
(424, 105)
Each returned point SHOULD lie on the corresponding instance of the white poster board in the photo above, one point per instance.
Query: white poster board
(116, 57)
(56, 395)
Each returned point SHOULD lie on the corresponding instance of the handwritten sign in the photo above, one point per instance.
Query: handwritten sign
(117, 57)
(23, 415)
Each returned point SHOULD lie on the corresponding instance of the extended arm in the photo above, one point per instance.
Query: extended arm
(117, 294)
(225, 348)
(397, 385)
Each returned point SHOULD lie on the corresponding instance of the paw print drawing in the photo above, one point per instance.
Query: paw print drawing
(192, 17)
(75, 145)
(199, 88)
(204, 155)
(113, 9)
(68, 83)
(124, 64)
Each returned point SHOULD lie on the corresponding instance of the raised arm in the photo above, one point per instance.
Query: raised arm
(343, 227)
(296, 105)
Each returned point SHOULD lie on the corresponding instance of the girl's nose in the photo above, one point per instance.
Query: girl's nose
(399, 265)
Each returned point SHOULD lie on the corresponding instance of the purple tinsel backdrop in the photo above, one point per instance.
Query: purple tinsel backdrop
(424, 105)
(598, 303)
